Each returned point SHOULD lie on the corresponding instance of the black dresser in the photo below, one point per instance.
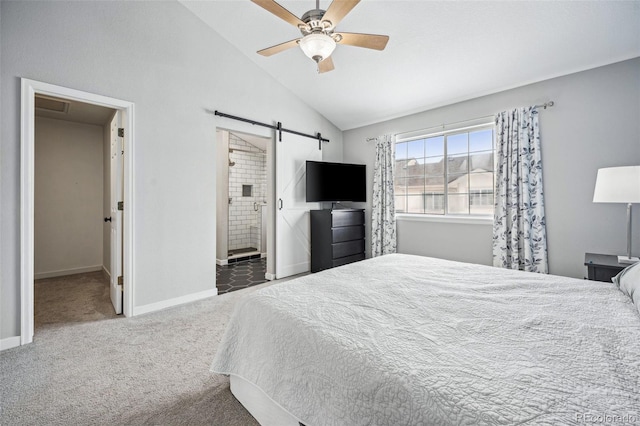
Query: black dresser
(337, 238)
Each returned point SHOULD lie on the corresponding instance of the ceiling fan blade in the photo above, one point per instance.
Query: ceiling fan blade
(325, 65)
(370, 41)
(338, 9)
(278, 48)
(279, 11)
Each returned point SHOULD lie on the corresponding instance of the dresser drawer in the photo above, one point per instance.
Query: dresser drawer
(337, 237)
(348, 259)
(602, 267)
(347, 218)
(347, 248)
(604, 274)
(348, 233)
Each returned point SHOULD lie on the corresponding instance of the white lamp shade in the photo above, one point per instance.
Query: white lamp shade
(317, 46)
(618, 185)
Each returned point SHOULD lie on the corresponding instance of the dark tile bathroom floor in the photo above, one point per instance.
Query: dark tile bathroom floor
(240, 275)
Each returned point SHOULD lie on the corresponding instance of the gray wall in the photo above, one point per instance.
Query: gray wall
(594, 124)
(173, 67)
(436, 239)
(68, 197)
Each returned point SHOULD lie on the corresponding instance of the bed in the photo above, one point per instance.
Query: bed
(410, 340)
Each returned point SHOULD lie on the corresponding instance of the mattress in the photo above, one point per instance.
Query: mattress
(402, 340)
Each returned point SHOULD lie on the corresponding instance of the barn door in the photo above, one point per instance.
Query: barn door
(293, 242)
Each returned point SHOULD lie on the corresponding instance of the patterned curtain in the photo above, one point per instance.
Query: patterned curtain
(519, 235)
(383, 216)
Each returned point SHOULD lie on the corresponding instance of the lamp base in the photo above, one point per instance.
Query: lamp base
(628, 260)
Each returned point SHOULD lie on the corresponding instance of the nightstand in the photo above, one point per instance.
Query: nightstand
(602, 267)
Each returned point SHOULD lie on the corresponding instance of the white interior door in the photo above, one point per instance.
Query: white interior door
(117, 180)
(293, 242)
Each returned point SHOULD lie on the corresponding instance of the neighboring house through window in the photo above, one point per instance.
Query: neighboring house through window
(446, 173)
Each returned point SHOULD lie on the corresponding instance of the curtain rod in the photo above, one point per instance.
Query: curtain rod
(277, 127)
(545, 105)
(442, 126)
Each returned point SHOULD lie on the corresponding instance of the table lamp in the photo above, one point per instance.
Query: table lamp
(619, 185)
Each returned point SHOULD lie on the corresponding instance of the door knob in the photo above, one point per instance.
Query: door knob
(107, 219)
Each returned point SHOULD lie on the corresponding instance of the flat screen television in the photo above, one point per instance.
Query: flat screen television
(333, 182)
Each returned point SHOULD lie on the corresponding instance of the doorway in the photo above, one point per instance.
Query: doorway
(31, 90)
(288, 213)
(247, 197)
(72, 247)
(242, 222)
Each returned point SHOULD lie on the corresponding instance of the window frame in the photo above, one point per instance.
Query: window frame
(446, 132)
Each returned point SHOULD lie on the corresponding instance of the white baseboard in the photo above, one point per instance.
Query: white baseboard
(106, 271)
(9, 342)
(269, 276)
(152, 307)
(52, 274)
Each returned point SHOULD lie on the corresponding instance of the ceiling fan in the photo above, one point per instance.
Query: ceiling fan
(319, 38)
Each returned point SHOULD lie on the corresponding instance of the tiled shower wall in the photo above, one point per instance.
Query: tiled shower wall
(250, 169)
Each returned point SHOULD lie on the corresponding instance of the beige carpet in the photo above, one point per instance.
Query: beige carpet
(72, 298)
(149, 369)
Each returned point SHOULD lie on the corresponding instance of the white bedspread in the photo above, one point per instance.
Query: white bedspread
(408, 340)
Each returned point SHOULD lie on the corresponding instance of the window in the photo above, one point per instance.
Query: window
(448, 173)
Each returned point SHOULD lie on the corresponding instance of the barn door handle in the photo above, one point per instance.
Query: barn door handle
(279, 203)
(107, 219)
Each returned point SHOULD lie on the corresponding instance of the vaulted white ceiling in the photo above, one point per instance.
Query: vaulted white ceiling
(439, 52)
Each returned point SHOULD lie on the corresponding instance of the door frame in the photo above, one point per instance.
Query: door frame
(270, 135)
(29, 88)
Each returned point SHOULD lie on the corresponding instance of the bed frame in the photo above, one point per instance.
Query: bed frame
(265, 410)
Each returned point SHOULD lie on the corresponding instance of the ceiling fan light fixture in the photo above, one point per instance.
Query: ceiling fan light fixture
(317, 46)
